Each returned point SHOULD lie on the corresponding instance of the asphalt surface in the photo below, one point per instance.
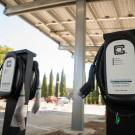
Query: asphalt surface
(49, 120)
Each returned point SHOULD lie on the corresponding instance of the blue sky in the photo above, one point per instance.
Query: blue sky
(18, 34)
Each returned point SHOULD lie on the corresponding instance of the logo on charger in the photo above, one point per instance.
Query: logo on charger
(119, 49)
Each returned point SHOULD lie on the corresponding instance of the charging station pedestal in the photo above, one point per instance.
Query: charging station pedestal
(114, 67)
(120, 72)
(11, 102)
(126, 125)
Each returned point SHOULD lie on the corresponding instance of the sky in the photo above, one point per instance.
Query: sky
(18, 34)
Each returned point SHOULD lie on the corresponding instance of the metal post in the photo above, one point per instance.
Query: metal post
(79, 65)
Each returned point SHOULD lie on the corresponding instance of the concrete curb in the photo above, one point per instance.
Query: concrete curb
(86, 131)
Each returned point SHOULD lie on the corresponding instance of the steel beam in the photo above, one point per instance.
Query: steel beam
(55, 16)
(88, 58)
(92, 20)
(39, 5)
(72, 14)
(36, 5)
(95, 18)
(79, 65)
(117, 14)
(43, 22)
(86, 48)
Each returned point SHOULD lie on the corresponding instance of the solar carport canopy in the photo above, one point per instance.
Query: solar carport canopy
(56, 19)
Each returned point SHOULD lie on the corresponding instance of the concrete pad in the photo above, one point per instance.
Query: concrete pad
(54, 132)
(86, 131)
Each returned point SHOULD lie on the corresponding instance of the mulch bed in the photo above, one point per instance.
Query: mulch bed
(99, 127)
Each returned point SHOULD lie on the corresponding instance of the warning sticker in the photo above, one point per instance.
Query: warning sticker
(120, 67)
(117, 61)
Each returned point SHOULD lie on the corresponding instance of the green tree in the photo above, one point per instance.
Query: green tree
(63, 91)
(44, 92)
(93, 95)
(57, 86)
(51, 87)
(85, 100)
(97, 94)
(3, 51)
(89, 98)
(64, 83)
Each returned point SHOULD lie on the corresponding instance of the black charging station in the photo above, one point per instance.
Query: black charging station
(114, 68)
(11, 98)
(120, 110)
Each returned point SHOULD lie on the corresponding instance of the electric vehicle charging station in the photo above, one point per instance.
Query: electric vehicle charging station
(19, 84)
(114, 68)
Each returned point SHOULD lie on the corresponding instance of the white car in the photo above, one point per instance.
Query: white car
(63, 100)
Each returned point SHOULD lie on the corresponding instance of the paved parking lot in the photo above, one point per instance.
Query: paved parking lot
(47, 121)
(51, 117)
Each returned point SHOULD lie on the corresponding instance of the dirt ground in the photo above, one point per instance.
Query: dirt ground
(99, 127)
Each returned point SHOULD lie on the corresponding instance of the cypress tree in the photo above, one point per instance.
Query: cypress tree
(93, 97)
(85, 100)
(44, 92)
(89, 98)
(63, 84)
(57, 86)
(51, 88)
(97, 94)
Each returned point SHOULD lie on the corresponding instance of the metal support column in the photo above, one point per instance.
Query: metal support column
(79, 65)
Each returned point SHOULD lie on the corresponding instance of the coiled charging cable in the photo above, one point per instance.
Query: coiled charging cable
(18, 91)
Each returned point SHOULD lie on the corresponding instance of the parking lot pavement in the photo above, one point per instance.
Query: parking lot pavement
(88, 109)
(47, 121)
(51, 117)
